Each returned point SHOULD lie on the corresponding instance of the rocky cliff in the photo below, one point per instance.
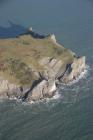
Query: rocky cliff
(32, 65)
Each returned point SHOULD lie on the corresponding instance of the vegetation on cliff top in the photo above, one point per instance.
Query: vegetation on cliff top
(20, 56)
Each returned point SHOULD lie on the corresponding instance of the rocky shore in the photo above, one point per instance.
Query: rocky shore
(43, 65)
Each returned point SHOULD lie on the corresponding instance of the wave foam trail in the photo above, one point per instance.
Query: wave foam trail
(58, 94)
(55, 97)
(46, 100)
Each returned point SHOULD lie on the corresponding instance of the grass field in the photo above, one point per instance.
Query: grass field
(18, 56)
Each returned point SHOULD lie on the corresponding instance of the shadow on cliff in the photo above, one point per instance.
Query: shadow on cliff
(12, 31)
(36, 35)
(15, 30)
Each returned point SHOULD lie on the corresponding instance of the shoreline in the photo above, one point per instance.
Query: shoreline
(40, 69)
(57, 96)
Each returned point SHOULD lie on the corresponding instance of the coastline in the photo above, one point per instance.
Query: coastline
(55, 70)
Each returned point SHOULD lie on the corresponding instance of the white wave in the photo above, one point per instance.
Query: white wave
(28, 103)
(45, 100)
(57, 94)
(13, 98)
(55, 97)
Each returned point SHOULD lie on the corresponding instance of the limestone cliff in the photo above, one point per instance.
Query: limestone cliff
(74, 69)
(32, 65)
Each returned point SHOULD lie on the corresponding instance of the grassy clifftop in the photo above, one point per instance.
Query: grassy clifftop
(20, 56)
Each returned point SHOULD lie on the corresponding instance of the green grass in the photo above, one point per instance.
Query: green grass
(23, 53)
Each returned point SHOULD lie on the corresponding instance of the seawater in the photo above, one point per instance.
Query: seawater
(69, 116)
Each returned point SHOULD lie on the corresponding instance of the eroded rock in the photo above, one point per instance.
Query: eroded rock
(8, 90)
(74, 69)
(42, 90)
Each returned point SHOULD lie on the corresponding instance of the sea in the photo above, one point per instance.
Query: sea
(69, 114)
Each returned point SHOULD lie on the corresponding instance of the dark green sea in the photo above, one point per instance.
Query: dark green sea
(69, 115)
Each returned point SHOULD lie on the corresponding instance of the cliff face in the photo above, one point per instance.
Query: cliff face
(56, 72)
(43, 90)
(8, 90)
(74, 69)
(32, 65)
